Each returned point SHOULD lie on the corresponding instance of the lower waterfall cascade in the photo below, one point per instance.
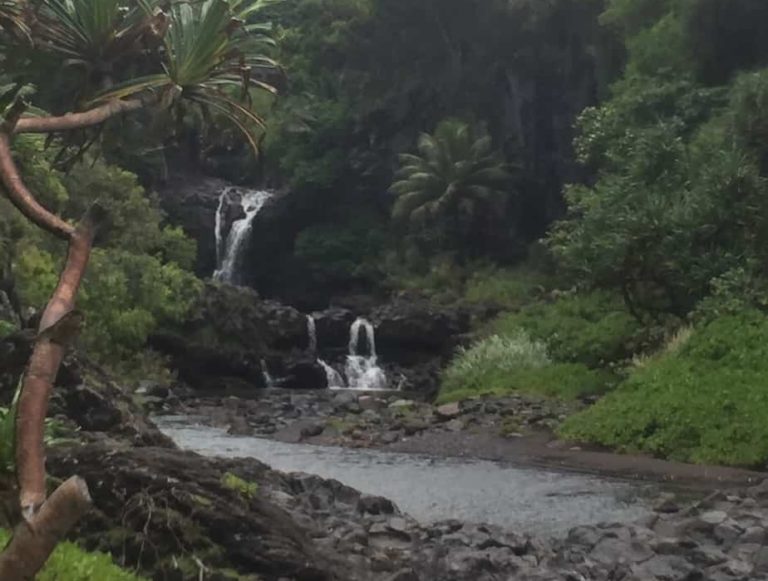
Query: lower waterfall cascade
(361, 368)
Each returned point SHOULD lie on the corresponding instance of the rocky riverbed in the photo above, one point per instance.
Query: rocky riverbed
(720, 537)
(512, 429)
(372, 419)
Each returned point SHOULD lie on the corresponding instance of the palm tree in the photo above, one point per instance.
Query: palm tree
(142, 54)
(454, 182)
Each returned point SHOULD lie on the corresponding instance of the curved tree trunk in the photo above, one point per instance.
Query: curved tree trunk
(45, 522)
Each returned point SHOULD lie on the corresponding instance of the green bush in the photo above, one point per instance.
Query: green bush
(138, 273)
(594, 329)
(124, 296)
(499, 365)
(70, 563)
(6, 328)
(704, 402)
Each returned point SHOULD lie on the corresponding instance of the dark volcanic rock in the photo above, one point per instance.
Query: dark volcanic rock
(191, 203)
(411, 323)
(84, 394)
(164, 507)
(333, 328)
(228, 334)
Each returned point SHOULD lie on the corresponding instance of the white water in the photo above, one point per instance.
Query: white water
(335, 380)
(229, 251)
(312, 334)
(362, 371)
(269, 381)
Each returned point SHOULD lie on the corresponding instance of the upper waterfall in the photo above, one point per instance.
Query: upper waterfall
(229, 249)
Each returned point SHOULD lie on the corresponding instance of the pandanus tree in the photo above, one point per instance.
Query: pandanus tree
(454, 182)
(152, 55)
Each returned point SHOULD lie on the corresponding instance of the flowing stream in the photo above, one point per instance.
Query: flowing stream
(229, 249)
(432, 489)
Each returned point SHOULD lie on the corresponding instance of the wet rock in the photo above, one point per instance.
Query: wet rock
(299, 430)
(228, 333)
(368, 504)
(612, 550)
(405, 575)
(368, 402)
(332, 327)
(666, 504)
(240, 427)
(191, 203)
(448, 411)
(663, 568)
(714, 517)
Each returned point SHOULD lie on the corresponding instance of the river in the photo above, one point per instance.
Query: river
(431, 489)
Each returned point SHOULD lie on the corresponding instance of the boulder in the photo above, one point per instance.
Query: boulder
(333, 328)
(229, 332)
(411, 323)
(161, 507)
(191, 201)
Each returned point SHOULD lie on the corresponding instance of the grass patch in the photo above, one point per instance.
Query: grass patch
(704, 401)
(499, 365)
(243, 487)
(594, 328)
(70, 563)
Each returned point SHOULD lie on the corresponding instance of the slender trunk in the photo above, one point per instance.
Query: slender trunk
(43, 367)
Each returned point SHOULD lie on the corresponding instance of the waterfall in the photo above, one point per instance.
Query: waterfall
(361, 371)
(268, 379)
(361, 368)
(229, 251)
(312, 334)
(335, 380)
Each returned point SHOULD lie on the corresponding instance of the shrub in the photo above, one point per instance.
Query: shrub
(500, 365)
(124, 296)
(6, 328)
(594, 329)
(704, 402)
(70, 563)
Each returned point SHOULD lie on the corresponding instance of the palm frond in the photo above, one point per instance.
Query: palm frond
(12, 17)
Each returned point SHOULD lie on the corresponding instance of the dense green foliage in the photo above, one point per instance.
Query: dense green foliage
(680, 198)
(594, 329)
(138, 276)
(704, 402)
(70, 563)
(676, 222)
(513, 363)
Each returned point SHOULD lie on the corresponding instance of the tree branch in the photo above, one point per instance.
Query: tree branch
(34, 541)
(23, 199)
(82, 120)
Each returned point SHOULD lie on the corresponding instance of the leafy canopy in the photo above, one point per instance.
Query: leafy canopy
(208, 54)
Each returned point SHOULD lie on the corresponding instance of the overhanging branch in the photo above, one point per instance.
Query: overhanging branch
(72, 121)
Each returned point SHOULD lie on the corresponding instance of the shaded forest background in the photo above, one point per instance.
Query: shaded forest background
(610, 221)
